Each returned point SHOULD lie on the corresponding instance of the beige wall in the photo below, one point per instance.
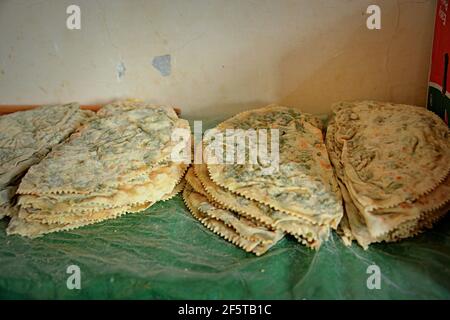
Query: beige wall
(226, 55)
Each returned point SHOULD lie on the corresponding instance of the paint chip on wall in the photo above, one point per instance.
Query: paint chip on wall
(162, 64)
(120, 71)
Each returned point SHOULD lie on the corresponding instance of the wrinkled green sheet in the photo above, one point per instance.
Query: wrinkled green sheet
(163, 253)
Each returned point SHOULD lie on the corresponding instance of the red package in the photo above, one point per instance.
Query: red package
(439, 86)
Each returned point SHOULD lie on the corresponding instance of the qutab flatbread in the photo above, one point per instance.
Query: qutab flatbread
(380, 152)
(27, 136)
(111, 150)
(413, 141)
(304, 185)
(127, 169)
(162, 180)
(199, 206)
(307, 232)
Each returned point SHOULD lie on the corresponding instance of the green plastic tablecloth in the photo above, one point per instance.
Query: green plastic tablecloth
(164, 253)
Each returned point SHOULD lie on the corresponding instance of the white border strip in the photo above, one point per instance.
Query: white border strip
(437, 86)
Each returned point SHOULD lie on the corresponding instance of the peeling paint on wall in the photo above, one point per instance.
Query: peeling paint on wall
(120, 71)
(162, 64)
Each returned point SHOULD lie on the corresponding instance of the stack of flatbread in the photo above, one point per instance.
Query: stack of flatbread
(26, 137)
(243, 231)
(119, 162)
(254, 203)
(393, 164)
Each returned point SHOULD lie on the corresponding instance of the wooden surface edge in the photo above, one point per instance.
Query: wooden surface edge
(6, 109)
